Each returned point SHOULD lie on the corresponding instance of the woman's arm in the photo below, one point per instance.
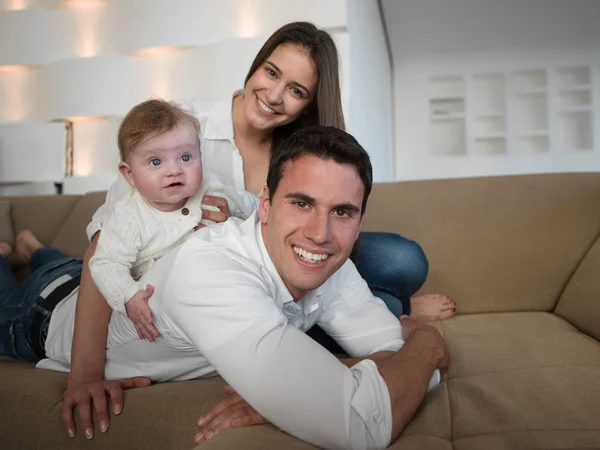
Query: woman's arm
(88, 355)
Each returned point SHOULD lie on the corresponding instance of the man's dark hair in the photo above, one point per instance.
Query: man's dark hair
(326, 143)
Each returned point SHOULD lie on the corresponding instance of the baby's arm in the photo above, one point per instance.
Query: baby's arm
(117, 250)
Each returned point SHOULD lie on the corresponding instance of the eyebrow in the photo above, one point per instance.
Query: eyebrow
(295, 82)
(311, 201)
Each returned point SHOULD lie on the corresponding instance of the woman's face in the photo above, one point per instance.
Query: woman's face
(281, 88)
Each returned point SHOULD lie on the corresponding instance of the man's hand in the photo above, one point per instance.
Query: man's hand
(234, 411)
(141, 316)
(84, 394)
(412, 326)
(216, 216)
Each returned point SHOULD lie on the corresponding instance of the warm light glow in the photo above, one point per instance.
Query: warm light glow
(79, 4)
(17, 5)
(87, 22)
(247, 20)
(16, 69)
(161, 85)
(159, 51)
(84, 119)
(16, 96)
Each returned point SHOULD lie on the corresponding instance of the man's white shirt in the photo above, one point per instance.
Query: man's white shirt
(221, 306)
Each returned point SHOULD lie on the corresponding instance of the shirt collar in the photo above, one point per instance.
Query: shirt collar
(219, 124)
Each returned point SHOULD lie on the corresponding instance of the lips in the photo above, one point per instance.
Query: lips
(264, 108)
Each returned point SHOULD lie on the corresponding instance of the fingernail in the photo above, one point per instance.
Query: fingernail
(202, 420)
(89, 433)
(117, 409)
(209, 435)
(198, 437)
(71, 432)
(103, 426)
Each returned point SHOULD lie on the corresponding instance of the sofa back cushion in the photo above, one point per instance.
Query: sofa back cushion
(495, 244)
(580, 301)
(6, 226)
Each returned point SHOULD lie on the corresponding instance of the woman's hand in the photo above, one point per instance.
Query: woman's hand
(83, 395)
(234, 411)
(216, 216)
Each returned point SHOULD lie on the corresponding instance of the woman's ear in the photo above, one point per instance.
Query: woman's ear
(126, 172)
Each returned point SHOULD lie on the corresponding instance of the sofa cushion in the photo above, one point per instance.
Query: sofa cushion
(580, 302)
(6, 228)
(494, 244)
(43, 215)
(72, 238)
(526, 378)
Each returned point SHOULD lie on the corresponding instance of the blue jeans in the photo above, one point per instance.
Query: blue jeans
(20, 304)
(393, 267)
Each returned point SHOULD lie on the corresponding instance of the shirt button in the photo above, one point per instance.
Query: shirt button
(185, 211)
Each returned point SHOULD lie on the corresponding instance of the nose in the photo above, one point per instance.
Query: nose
(173, 169)
(318, 229)
(275, 94)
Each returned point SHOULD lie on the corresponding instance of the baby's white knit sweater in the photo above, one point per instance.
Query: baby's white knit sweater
(135, 234)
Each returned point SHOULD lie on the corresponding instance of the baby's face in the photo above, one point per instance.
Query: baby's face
(167, 169)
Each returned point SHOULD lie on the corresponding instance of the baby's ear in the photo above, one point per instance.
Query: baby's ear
(126, 172)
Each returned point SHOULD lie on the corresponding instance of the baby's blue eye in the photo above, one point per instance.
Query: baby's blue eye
(155, 162)
(185, 158)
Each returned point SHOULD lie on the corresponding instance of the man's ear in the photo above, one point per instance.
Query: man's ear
(126, 172)
(264, 205)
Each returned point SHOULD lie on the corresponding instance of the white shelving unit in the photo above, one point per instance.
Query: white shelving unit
(534, 111)
(574, 119)
(447, 115)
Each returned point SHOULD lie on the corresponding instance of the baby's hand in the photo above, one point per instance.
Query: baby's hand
(140, 314)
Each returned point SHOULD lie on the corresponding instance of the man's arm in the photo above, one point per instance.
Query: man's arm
(229, 314)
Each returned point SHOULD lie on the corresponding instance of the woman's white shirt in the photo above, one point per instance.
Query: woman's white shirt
(219, 154)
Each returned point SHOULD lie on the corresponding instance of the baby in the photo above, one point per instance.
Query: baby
(161, 160)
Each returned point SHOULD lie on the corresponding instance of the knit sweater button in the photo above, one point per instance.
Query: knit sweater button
(185, 211)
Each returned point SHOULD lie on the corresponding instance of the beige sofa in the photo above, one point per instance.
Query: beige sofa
(521, 257)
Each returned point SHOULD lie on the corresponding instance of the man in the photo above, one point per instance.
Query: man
(237, 299)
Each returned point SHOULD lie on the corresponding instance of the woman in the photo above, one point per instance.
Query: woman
(293, 82)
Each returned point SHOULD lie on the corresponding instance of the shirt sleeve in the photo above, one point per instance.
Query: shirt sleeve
(242, 203)
(286, 376)
(360, 322)
(116, 251)
(116, 192)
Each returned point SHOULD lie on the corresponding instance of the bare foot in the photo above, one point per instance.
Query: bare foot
(431, 307)
(5, 249)
(25, 244)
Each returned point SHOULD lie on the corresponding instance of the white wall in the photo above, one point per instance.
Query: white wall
(370, 117)
(468, 38)
(91, 61)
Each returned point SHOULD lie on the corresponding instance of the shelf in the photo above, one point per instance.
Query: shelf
(569, 77)
(488, 92)
(533, 144)
(489, 115)
(575, 130)
(575, 109)
(446, 106)
(443, 118)
(529, 80)
(447, 137)
(530, 92)
(489, 147)
(579, 88)
(449, 86)
(534, 134)
(491, 136)
(575, 99)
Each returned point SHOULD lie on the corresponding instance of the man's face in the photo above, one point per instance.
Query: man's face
(312, 221)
